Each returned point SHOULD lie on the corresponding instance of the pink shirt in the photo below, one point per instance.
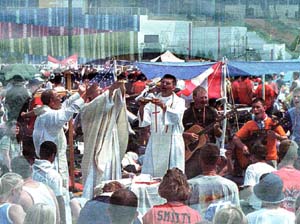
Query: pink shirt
(291, 186)
(171, 212)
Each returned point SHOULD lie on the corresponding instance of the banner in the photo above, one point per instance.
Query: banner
(70, 62)
(53, 63)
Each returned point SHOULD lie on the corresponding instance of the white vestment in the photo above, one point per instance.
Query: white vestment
(49, 127)
(105, 129)
(165, 148)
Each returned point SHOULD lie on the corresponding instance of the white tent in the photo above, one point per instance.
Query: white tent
(166, 57)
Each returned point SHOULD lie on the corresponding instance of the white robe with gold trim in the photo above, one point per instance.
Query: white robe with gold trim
(105, 128)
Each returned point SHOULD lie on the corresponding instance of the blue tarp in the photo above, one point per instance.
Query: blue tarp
(266, 67)
(184, 70)
(188, 70)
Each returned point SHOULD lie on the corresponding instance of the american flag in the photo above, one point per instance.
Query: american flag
(105, 78)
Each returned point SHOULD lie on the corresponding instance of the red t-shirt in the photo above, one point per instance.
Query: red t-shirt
(36, 101)
(270, 94)
(171, 212)
(235, 89)
(245, 91)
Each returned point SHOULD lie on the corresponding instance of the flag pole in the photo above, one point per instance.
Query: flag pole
(115, 68)
(224, 95)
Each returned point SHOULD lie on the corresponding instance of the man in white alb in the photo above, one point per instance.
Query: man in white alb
(165, 148)
(48, 126)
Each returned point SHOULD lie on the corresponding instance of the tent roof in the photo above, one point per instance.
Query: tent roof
(167, 57)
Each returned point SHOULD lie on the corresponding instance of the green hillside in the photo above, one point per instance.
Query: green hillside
(277, 31)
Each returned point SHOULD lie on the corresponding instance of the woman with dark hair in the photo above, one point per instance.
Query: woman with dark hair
(10, 144)
(175, 189)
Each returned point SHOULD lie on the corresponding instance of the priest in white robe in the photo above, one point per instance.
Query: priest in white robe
(105, 129)
(165, 148)
(48, 126)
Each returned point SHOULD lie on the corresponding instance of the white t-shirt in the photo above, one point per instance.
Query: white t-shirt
(49, 85)
(254, 172)
(43, 171)
(271, 216)
(211, 189)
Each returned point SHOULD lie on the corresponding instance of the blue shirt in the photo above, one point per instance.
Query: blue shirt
(295, 119)
(4, 217)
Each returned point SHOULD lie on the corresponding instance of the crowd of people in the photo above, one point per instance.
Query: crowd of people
(246, 172)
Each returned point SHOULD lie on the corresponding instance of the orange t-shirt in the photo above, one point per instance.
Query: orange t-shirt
(251, 126)
(138, 87)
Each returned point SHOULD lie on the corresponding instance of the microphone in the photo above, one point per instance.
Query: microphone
(142, 94)
(146, 92)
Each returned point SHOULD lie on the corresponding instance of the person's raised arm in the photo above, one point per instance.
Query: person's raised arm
(27, 114)
(116, 85)
(82, 90)
(142, 103)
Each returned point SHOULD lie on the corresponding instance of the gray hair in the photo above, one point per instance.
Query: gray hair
(230, 215)
(9, 181)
